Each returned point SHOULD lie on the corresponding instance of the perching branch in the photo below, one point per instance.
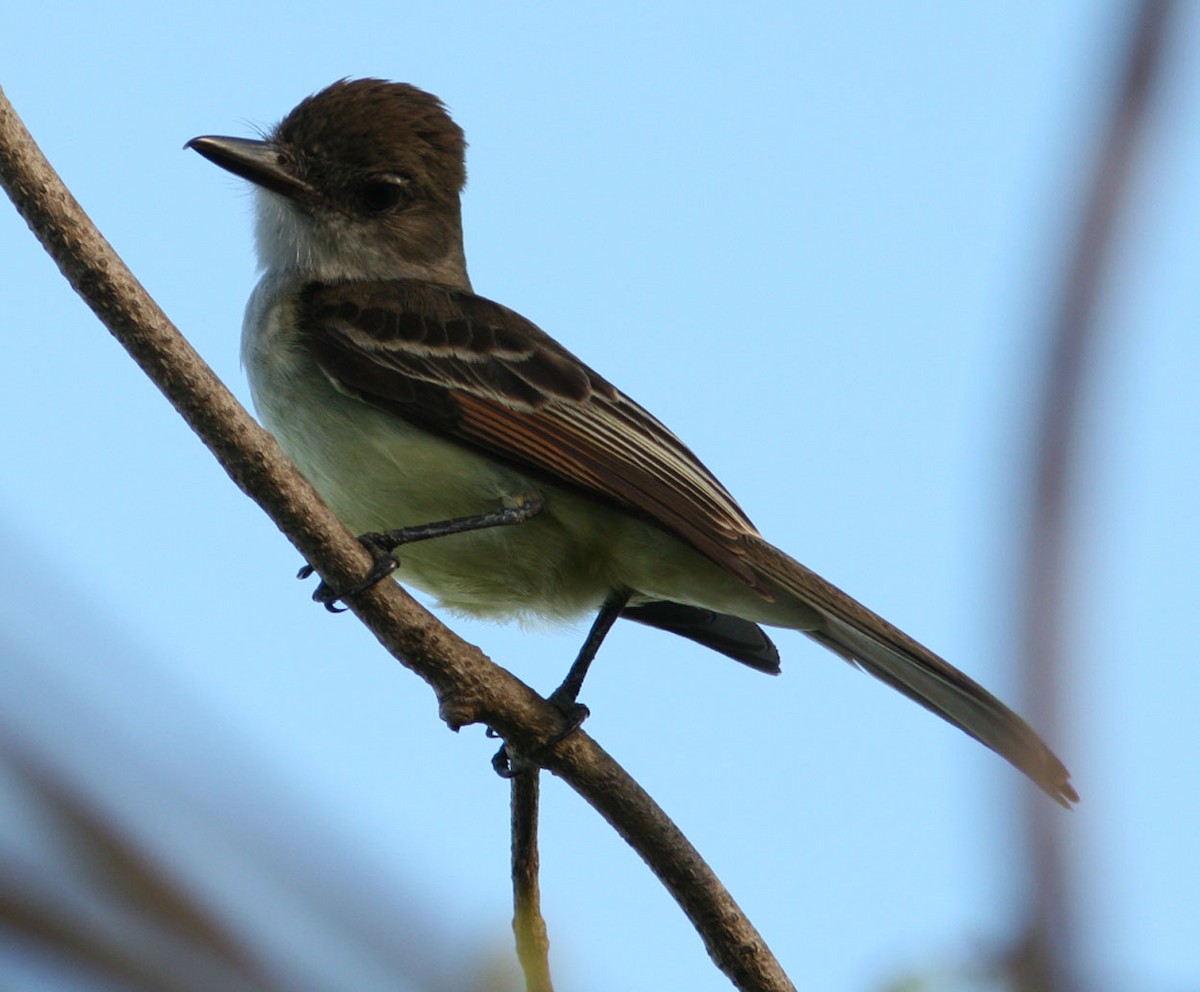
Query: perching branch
(529, 927)
(469, 687)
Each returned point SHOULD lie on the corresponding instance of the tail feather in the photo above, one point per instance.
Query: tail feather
(870, 642)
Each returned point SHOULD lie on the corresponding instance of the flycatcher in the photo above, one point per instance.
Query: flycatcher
(520, 481)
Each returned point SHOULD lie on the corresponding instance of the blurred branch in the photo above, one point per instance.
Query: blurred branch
(469, 687)
(181, 944)
(1044, 959)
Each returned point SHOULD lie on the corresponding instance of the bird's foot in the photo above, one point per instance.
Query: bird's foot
(507, 763)
(383, 564)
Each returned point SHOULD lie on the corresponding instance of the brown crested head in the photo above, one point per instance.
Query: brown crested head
(362, 127)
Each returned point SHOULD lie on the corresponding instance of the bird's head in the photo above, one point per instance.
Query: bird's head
(360, 180)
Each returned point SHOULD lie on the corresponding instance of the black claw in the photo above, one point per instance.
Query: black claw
(328, 599)
(327, 596)
(502, 765)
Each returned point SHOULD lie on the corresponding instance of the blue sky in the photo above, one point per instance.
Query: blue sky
(819, 242)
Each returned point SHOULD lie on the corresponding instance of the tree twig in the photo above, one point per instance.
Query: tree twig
(529, 927)
(469, 687)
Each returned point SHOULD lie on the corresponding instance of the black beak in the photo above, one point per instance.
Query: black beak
(262, 162)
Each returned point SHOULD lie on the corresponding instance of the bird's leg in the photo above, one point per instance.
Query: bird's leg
(564, 697)
(381, 544)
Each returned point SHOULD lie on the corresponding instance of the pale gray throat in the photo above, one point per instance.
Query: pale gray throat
(336, 248)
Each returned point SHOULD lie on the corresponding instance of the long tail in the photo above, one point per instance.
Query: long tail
(867, 640)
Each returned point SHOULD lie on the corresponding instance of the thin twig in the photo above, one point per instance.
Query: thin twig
(469, 687)
(1044, 961)
(529, 927)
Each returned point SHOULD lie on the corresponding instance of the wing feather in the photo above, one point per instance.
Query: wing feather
(484, 375)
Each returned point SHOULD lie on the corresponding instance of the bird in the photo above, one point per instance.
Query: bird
(520, 482)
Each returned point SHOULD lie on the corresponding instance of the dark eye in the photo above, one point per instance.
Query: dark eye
(381, 193)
